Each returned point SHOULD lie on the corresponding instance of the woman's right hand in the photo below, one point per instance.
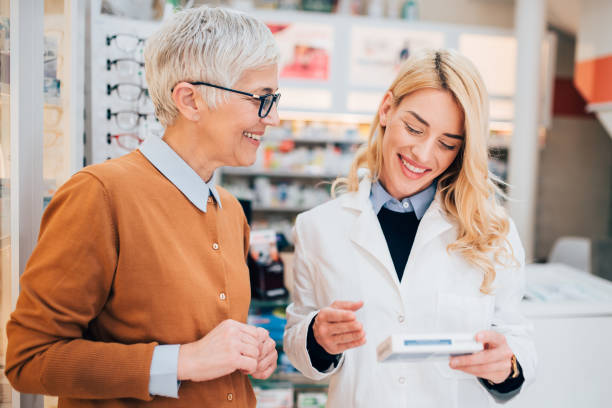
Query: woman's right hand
(228, 347)
(336, 327)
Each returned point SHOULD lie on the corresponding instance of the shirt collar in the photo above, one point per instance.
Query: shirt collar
(178, 172)
(419, 202)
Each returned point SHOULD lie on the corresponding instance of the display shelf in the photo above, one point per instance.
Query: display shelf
(278, 174)
(326, 116)
(295, 380)
(279, 209)
(272, 303)
(316, 140)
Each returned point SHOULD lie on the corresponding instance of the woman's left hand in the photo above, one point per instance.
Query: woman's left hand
(494, 363)
(266, 364)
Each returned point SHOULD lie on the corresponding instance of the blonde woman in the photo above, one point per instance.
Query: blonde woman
(418, 244)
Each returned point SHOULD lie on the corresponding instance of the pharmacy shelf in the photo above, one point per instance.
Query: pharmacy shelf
(277, 174)
(279, 209)
(259, 303)
(316, 140)
(295, 380)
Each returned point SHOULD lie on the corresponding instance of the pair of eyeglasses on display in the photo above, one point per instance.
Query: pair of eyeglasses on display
(125, 42)
(52, 116)
(127, 92)
(51, 137)
(129, 120)
(265, 101)
(124, 66)
(126, 141)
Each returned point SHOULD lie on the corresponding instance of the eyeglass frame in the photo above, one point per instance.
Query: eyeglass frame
(117, 136)
(260, 98)
(110, 62)
(110, 114)
(110, 38)
(110, 88)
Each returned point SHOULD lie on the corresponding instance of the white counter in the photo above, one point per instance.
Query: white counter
(572, 314)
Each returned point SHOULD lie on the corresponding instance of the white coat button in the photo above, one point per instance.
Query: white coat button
(230, 396)
(215, 246)
(222, 296)
(400, 319)
(405, 204)
(401, 380)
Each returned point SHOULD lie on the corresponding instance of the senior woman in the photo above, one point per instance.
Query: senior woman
(138, 291)
(419, 245)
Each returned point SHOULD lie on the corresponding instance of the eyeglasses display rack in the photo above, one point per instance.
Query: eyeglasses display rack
(121, 113)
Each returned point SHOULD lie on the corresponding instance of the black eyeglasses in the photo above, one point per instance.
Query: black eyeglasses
(265, 101)
(127, 91)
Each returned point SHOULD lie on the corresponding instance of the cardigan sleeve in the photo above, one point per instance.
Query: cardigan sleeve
(65, 285)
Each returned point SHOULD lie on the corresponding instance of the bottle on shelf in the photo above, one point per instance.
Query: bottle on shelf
(410, 10)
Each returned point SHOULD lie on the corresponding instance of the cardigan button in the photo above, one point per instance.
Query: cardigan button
(215, 246)
(222, 296)
(230, 396)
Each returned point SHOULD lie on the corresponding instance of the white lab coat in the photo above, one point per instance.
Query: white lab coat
(341, 254)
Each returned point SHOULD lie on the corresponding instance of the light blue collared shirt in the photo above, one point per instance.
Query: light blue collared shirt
(178, 172)
(419, 202)
(163, 378)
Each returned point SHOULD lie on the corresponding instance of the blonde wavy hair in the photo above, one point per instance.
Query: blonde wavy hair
(467, 190)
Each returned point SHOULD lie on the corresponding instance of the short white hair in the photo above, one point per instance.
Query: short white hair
(214, 45)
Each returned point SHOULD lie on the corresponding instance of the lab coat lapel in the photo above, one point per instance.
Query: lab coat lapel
(366, 232)
(432, 225)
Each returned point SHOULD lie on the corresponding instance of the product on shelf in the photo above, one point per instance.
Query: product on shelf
(265, 266)
(274, 322)
(311, 400)
(274, 397)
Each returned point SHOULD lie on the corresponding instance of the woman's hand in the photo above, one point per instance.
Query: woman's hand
(494, 363)
(336, 327)
(267, 355)
(228, 347)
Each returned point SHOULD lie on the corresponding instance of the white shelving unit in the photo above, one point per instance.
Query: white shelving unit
(280, 174)
(362, 55)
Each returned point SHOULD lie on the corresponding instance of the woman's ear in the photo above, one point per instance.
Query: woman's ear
(185, 97)
(385, 108)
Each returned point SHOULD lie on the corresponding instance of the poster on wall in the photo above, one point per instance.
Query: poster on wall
(306, 50)
(495, 58)
(378, 52)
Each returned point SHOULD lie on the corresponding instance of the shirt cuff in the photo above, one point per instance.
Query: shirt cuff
(508, 389)
(163, 376)
(319, 358)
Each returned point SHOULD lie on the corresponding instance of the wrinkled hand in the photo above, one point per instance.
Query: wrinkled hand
(266, 364)
(336, 327)
(228, 347)
(494, 363)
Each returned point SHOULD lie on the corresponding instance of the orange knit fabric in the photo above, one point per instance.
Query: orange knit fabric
(125, 262)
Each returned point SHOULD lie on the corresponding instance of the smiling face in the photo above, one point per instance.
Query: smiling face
(422, 137)
(234, 127)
